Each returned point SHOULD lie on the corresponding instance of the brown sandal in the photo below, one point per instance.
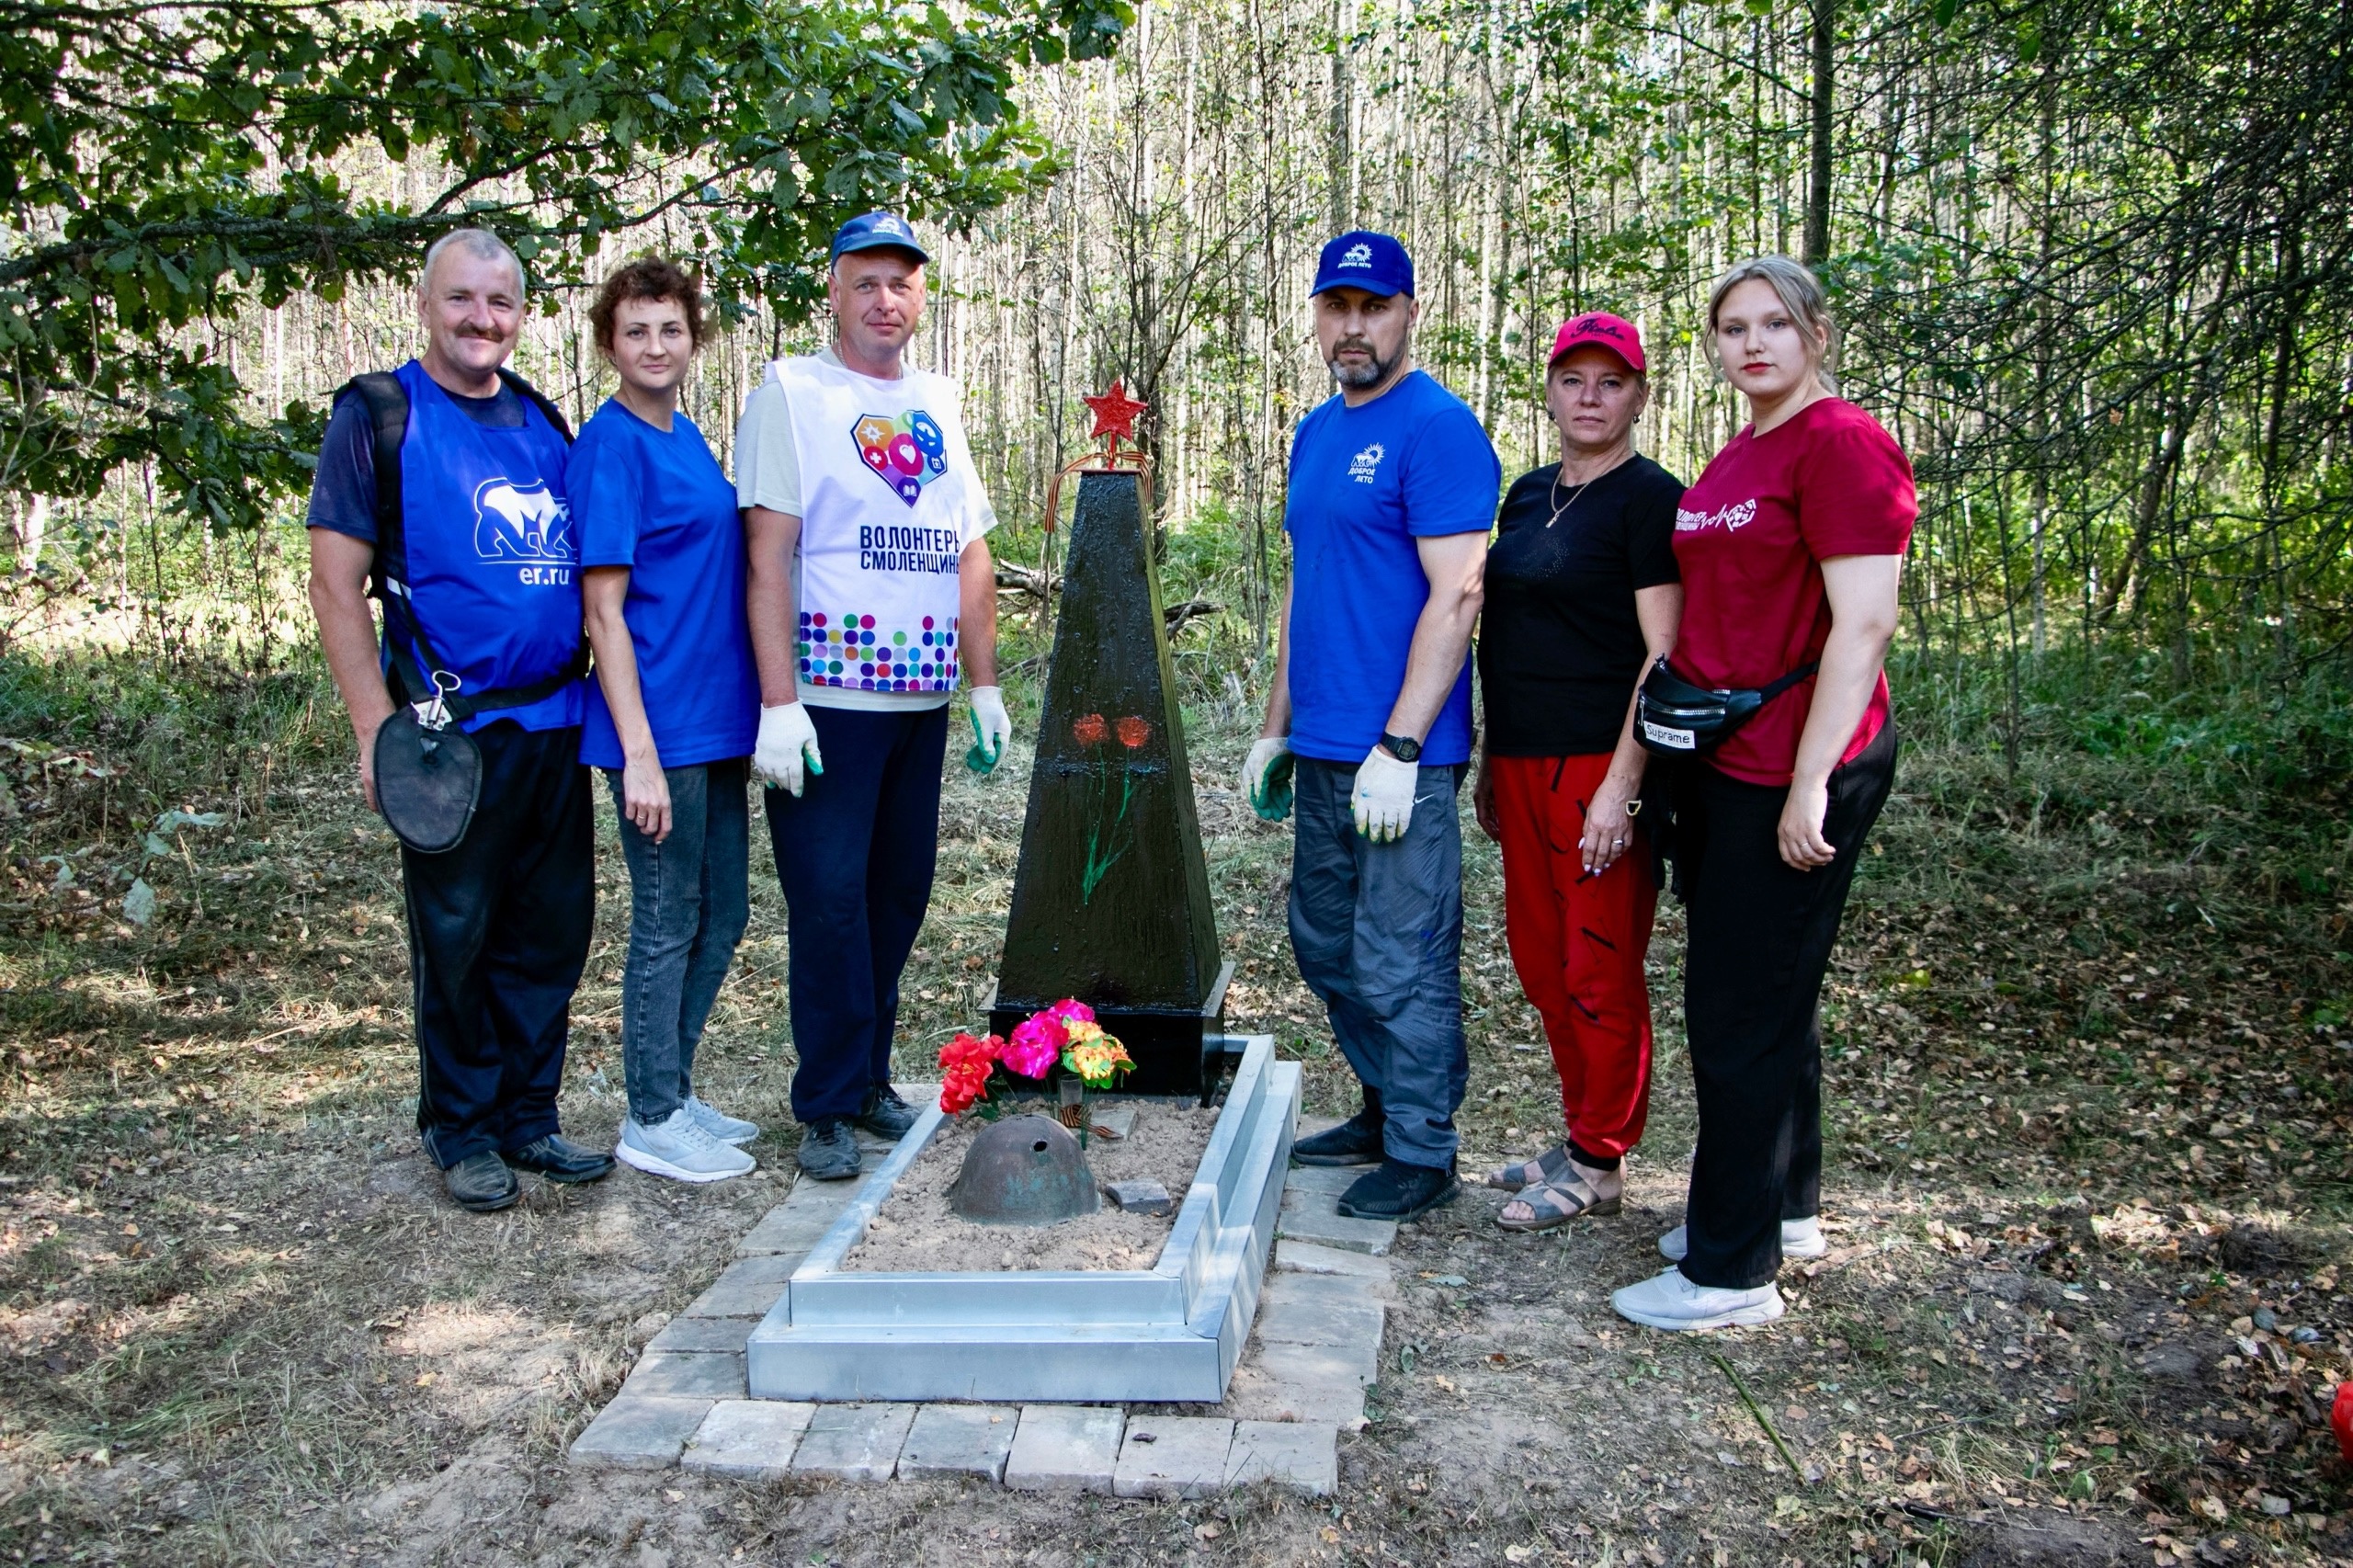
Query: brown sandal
(1550, 1165)
(1556, 1203)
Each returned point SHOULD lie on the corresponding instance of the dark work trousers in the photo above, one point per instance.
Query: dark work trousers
(1378, 931)
(1760, 938)
(855, 854)
(498, 933)
(688, 906)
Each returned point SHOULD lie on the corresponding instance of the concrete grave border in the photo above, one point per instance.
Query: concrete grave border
(1172, 1333)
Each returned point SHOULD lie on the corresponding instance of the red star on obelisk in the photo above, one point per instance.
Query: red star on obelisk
(1115, 414)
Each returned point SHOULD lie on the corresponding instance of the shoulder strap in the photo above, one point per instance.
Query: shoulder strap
(387, 403)
(1774, 689)
(538, 400)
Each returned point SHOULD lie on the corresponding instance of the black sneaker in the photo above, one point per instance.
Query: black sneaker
(481, 1183)
(1356, 1141)
(829, 1153)
(1399, 1191)
(558, 1158)
(885, 1114)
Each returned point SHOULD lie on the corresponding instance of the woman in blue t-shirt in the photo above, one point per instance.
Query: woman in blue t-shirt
(674, 709)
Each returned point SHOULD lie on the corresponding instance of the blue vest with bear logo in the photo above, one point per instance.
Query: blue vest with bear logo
(493, 568)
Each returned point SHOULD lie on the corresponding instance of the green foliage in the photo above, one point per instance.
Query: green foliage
(162, 170)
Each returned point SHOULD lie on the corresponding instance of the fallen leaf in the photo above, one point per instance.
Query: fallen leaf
(1207, 1531)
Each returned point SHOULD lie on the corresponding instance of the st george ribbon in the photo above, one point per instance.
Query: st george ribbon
(1112, 897)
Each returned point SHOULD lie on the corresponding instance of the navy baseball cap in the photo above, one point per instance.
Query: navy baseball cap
(1362, 259)
(872, 231)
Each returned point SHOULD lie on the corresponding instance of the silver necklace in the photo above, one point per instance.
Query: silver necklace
(1561, 509)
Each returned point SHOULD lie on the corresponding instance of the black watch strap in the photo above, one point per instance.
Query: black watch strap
(1404, 748)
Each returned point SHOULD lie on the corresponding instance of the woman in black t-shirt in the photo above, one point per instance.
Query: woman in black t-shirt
(1582, 594)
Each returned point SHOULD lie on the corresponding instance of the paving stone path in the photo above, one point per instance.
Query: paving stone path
(1314, 1349)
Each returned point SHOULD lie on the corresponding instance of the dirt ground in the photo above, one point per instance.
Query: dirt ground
(915, 1228)
(2086, 1195)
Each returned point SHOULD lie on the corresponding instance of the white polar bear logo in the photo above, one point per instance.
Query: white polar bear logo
(521, 522)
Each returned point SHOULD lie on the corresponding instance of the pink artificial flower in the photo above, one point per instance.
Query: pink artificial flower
(1071, 1010)
(1035, 1047)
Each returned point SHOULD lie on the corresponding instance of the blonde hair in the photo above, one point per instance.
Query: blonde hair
(1799, 292)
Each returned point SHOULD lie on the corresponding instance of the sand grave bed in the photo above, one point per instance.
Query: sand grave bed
(914, 1230)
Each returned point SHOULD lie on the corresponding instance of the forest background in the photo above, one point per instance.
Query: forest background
(2089, 1087)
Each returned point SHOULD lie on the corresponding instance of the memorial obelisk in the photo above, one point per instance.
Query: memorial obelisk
(1111, 896)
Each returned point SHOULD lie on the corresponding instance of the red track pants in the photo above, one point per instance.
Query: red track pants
(1578, 942)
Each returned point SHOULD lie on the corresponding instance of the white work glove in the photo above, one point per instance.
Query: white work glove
(787, 740)
(1382, 801)
(1266, 778)
(991, 727)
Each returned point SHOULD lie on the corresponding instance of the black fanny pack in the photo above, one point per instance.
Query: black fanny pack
(1674, 718)
(428, 778)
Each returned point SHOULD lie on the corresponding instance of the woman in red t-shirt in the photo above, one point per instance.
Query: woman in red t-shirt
(1791, 546)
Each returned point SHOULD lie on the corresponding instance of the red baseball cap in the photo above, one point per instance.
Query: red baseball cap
(1600, 329)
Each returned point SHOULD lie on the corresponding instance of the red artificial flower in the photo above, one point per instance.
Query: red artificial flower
(1088, 730)
(965, 1064)
(1133, 732)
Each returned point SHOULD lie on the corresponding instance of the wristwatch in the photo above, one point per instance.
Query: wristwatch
(1404, 748)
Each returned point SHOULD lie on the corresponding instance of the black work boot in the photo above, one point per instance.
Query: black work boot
(558, 1158)
(1399, 1191)
(481, 1183)
(884, 1114)
(1356, 1141)
(828, 1151)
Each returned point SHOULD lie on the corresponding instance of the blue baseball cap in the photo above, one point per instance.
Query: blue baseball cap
(873, 231)
(1362, 259)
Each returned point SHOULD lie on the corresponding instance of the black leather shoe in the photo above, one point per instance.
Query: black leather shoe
(1399, 1191)
(560, 1159)
(885, 1114)
(1356, 1141)
(481, 1183)
(828, 1151)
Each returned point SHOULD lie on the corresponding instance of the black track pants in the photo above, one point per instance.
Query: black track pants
(1760, 939)
(498, 933)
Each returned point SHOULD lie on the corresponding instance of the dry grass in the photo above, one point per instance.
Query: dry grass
(2088, 1115)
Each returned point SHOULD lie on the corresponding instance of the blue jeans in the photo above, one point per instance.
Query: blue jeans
(688, 906)
(855, 854)
(1378, 931)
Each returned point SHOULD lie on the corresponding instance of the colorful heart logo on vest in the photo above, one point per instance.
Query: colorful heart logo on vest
(906, 453)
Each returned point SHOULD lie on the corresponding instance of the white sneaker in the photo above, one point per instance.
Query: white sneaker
(1671, 1302)
(1800, 1238)
(726, 1128)
(676, 1147)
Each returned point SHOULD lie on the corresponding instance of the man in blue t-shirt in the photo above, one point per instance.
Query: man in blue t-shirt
(479, 558)
(1393, 490)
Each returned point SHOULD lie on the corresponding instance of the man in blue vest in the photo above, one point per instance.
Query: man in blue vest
(474, 552)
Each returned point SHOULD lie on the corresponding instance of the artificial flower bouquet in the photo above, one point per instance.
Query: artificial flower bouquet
(1064, 1034)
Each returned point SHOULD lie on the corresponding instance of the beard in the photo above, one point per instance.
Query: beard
(1371, 373)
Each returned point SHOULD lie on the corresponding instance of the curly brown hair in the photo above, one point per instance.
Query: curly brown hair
(647, 278)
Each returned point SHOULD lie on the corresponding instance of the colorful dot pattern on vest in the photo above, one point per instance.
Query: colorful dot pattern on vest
(852, 651)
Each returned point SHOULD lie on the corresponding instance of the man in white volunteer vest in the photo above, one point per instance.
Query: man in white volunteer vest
(870, 589)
